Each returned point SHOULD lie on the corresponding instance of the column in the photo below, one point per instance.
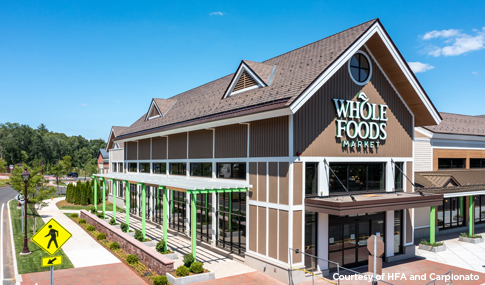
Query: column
(143, 208)
(471, 222)
(462, 210)
(215, 223)
(187, 212)
(193, 220)
(432, 220)
(389, 232)
(127, 204)
(95, 193)
(104, 198)
(165, 216)
(114, 198)
(322, 246)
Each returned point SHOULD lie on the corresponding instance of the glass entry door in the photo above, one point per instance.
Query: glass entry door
(348, 237)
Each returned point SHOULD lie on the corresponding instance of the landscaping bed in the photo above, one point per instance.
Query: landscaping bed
(64, 205)
(434, 247)
(470, 239)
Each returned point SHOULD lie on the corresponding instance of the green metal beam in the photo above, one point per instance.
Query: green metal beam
(207, 191)
(432, 219)
(114, 198)
(471, 222)
(143, 209)
(104, 198)
(164, 216)
(193, 223)
(95, 193)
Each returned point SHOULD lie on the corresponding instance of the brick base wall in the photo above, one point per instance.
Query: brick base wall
(152, 259)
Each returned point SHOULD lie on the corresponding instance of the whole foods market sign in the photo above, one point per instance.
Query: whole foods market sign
(362, 123)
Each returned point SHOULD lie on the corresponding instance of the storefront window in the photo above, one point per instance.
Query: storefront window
(201, 169)
(450, 214)
(310, 239)
(159, 167)
(178, 169)
(231, 170)
(131, 167)
(444, 163)
(477, 163)
(311, 174)
(145, 167)
(357, 177)
(479, 201)
(398, 176)
(398, 226)
(231, 219)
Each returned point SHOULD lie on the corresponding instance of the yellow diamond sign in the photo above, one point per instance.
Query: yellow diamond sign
(51, 237)
(51, 261)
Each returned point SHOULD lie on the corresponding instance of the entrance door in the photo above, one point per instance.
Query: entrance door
(348, 237)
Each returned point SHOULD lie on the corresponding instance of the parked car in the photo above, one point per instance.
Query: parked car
(72, 175)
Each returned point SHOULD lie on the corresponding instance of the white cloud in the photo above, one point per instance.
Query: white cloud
(417, 66)
(474, 72)
(83, 104)
(118, 101)
(216, 13)
(460, 42)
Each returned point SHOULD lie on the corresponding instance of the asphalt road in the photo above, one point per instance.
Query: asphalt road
(6, 194)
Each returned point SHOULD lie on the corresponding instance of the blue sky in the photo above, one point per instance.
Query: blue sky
(82, 66)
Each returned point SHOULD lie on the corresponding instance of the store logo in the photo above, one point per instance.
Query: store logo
(363, 123)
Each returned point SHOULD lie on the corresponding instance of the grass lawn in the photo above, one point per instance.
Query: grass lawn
(32, 262)
(64, 205)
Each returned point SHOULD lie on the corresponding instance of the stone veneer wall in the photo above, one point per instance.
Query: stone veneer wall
(147, 255)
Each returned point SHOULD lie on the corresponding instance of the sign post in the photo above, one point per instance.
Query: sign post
(21, 200)
(375, 245)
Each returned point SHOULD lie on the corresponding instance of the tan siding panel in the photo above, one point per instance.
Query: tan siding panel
(253, 227)
(253, 180)
(177, 146)
(131, 148)
(262, 181)
(284, 183)
(262, 230)
(283, 236)
(422, 156)
(231, 141)
(200, 144)
(297, 235)
(144, 149)
(297, 183)
(315, 121)
(273, 233)
(410, 175)
(159, 148)
(409, 226)
(456, 153)
(273, 182)
(269, 138)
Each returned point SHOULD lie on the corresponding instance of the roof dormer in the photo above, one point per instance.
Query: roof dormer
(250, 75)
(159, 108)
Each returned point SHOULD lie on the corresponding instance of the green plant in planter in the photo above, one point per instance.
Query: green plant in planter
(160, 246)
(82, 221)
(90, 228)
(132, 259)
(124, 227)
(101, 236)
(188, 260)
(114, 246)
(100, 215)
(470, 236)
(182, 271)
(196, 268)
(435, 244)
(93, 210)
(160, 280)
(112, 221)
(138, 235)
(74, 215)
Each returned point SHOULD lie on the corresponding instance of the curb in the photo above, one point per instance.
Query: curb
(18, 277)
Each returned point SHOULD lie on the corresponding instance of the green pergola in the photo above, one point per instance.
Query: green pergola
(163, 183)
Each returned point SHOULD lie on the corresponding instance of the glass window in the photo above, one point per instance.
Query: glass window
(231, 170)
(145, 167)
(444, 163)
(159, 167)
(398, 231)
(310, 239)
(132, 167)
(341, 171)
(120, 167)
(113, 167)
(375, 174)
(357, 177)
(201, 169)
(398, 175)
(178, 169)
(311, 174)
(359, 67)
(477, 163)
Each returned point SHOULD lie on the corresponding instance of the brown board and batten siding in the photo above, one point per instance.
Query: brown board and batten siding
(177, 146)
(200, 144)
(131, 150)
(297, 183)
(253, 180)
(273, 233)
(297, 235)
(253, 227)
(283, 235)
(144, 149)
(315, 121)
(159, 148)
(262, 230)
(273, 182)
(410, 175)
(231, 141)
(284, 183)
(269, 137)
(262, 181)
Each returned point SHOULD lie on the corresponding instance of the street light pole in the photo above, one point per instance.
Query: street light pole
(25, 176)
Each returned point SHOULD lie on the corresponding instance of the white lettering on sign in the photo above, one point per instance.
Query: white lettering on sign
(371, 124)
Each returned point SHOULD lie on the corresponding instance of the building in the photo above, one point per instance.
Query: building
(116, 160)
(308, 150)
(103, 161)
(450, 160)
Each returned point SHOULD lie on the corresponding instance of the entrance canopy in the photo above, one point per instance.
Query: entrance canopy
(369, 203)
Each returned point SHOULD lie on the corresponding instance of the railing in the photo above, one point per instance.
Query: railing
(334, 274)
(443, 279)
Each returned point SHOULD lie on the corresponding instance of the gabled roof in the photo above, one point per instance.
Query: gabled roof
(250, 74)
(298, 75)
(262, 70)
(115, 131)
(443, 178)
(160, 107)
(104, 154)
(459, 125)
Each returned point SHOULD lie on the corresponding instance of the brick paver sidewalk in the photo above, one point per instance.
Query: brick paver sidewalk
(117, 273)
(252, 278)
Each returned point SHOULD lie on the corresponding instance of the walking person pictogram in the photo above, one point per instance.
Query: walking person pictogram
(54, 234)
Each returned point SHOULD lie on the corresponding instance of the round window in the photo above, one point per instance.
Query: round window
(360, 68)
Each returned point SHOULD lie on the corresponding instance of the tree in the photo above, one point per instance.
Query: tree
(2, 165)
(67, 161)
(58, 170)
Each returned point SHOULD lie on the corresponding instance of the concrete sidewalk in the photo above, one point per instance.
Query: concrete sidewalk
(82, 249)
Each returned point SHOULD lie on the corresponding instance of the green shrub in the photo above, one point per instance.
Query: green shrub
(101, 236)
(196, 268)
(90, 228)
(74, 215)
(470, 236)
(100, 215)
(182, 271)
(114, 246)
(112, 221)
(138, 235)
(132, 258)
(435, 244)
(160, 280)
(124, 227)
(160, 246)
(82, 221)
(188, 260)
(93, 210)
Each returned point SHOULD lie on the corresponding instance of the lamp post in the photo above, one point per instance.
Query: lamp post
(25, 176)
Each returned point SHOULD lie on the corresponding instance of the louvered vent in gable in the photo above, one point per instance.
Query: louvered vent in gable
(245, 81)
(154, 113)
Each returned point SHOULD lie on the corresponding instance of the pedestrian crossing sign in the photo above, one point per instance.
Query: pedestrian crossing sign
(51, 237)
(51, 261)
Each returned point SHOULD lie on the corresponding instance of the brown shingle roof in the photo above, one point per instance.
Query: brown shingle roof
(295, 71)
(164, 105)
(436, 181)
(117, 130)
(262, 70)
(459, 125)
